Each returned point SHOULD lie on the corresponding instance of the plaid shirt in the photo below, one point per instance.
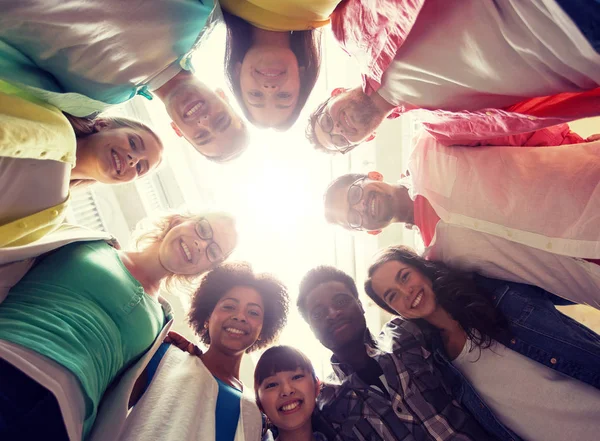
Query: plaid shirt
(419, 406)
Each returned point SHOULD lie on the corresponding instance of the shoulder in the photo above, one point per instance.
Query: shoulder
(399, 331)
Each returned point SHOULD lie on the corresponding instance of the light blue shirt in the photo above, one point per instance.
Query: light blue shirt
(83, 55)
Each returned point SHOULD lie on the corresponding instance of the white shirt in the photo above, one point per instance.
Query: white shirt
(474, 54)
(534, 401)
(181, 402)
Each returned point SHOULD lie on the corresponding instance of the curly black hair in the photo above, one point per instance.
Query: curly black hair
(216, 283)
(317, 276)
(456, 291)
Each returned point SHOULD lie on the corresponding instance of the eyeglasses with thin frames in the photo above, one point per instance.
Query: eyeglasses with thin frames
(340, 142)
(355, 195)
(214, 254)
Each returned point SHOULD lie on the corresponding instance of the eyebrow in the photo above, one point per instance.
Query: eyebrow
(141, 141)
(206, 141)
(260, 106)
(237, 301)
(278, 106)
(226, 125)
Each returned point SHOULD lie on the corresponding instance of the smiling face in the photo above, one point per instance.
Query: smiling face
(405, 289)
(373, 208)
(335, 315)
(270, 84)
(204, 117)
(236, 322)
(351, 115)
(288, 398)
(117, 155)
(186, 249)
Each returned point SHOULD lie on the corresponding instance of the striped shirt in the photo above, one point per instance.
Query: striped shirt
(417, 405)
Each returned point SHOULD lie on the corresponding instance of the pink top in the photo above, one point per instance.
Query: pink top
(547, 198)
(373, 31)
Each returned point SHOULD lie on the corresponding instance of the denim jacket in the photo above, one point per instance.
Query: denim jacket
(538, 331)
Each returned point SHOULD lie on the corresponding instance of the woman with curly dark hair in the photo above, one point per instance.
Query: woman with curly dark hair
(273, 56)
(234, 311)
(496, 342)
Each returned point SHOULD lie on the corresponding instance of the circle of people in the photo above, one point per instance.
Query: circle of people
(504, 195)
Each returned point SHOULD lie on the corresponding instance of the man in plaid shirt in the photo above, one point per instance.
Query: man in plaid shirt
(387, 389)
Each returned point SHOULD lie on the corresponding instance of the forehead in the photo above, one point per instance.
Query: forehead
(270, 116)
(224, 232)
(325, 293)
(222, 141)
(385, 275)
(337, 206)
(243, 295)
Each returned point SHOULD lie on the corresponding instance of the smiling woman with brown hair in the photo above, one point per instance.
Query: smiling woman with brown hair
(523, 369)
(273, 56)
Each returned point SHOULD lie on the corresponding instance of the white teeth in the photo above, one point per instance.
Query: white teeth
(117, 161)
(290, 406)
(373, 207)
(234, 331)
(186, 250)
(194, 109)
(417, 300)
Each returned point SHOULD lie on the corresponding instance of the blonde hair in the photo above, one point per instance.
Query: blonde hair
(84, 127)
(154, 229)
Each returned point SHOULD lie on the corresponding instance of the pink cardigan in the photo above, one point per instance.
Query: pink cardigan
(372, 31)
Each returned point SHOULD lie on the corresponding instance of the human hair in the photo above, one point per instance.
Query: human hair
(217, 282)
(455, 291)
(335, 185)
(311, 134)
(306, 45)
(87, 126)
(152, 230)
(235, 146)
(280, 359)
(317, 276)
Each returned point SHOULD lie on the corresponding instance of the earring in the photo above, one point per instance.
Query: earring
(205, 325)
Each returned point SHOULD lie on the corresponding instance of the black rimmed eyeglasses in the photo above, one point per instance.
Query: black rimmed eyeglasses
(355, 195)
(340, 142)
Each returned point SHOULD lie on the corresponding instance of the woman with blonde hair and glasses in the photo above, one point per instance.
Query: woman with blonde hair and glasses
(79, 312)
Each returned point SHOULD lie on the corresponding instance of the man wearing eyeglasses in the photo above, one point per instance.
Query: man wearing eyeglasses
(528, 214)
(477, 69)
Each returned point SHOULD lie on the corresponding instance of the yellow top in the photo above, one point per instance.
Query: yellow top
(32, 129)
(282, 15)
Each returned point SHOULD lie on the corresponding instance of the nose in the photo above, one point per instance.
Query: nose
(333, 314)
(286, 389)
(270, 87)
(132, 160)
(407, 290)
(200, 245)
(204, 120)
(239, 317)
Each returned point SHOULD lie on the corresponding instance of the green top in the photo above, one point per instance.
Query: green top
(80, 307)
